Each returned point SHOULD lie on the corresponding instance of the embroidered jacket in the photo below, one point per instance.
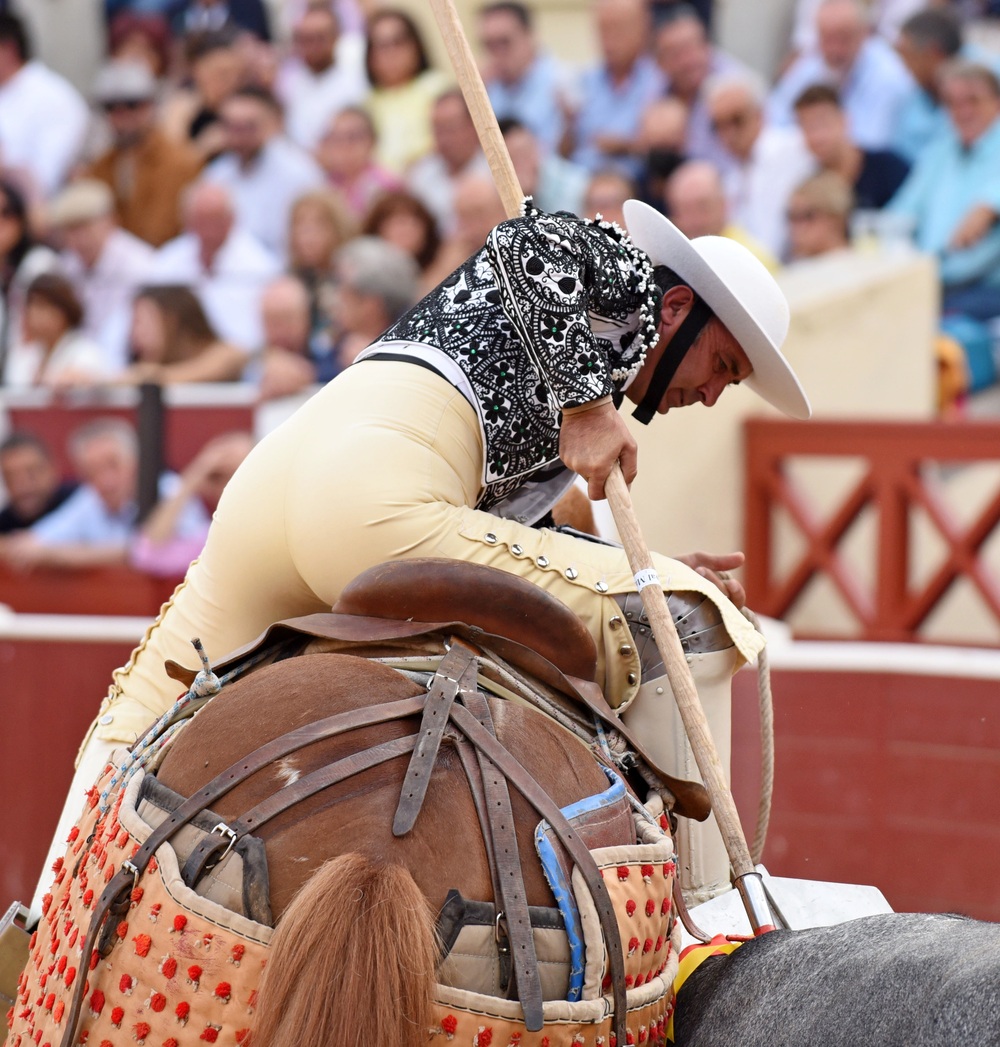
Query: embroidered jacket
(555, 311)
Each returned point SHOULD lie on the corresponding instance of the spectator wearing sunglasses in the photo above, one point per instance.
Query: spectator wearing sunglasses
(146, 171)
(768, 162)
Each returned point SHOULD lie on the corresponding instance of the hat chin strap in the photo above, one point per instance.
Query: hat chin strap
(684, 337)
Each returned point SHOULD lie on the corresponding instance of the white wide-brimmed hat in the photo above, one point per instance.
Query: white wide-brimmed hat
(738, 289)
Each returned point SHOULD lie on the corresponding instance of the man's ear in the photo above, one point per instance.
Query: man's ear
(676, 305)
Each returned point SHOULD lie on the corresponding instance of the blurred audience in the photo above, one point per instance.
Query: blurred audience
(145, 171)
(292, 357)
(93, 526)
(885, 17)
(524, 81)
(318, 79)
(606, 194)
(221, 261)
(192, 113)
(22, 258)
(54, 351)
(142, 37)
(171, 341)
(319, 226)
(953, 192)
(376, 284)
(199, 16)
(874, 175)
(555, 184)
(455, 154)
(768, 161)
(346, 152)
(616, 90)
(696, 203)
(688, 60)
(263, 170)
(477, 210)
(43, 118)
(927, 41)
(662, 134)
(166, 543)
(401, 219)
(30, 480)
(104, 263)
(404, 87)
(819, 214)
(872, 80)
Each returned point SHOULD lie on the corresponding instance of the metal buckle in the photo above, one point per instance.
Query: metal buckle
(223, 830)
(129, 867)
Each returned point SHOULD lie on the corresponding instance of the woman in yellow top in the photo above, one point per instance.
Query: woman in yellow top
(404, 87)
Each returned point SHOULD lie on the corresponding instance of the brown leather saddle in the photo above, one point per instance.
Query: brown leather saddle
(397, 606)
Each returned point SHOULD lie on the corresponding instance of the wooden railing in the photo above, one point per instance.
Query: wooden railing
(900, 477)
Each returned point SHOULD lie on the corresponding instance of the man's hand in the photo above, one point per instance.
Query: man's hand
(591, 441)
(713, 567)
(973, 227)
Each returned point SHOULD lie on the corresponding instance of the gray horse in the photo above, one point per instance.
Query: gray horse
(895, 980)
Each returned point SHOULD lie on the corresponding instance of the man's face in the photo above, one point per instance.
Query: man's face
(507, 45)
(825, 130)
(972, 106)
(314, 39)
(923, 62)
(248, 125)
(129, 121)
(736, 120)
(110, 468)
(285, 319)
(840, 33)
(454, 132)
(210, 218)
(697, 205)
(622, 31)
(714, 362)
(86, 239)
(29, 478)
(684, 54)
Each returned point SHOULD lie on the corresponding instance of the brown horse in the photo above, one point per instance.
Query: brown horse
(361, 935)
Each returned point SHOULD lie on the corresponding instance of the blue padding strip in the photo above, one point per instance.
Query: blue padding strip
(561, 889)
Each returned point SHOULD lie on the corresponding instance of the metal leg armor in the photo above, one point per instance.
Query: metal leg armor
(653, 716)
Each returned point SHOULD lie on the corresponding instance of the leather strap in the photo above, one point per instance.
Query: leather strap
(456, 674)
(512, 898)
(118, 891)
(212, 849)
(547, 808)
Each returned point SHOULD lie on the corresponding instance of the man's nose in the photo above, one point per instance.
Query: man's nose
(713, 389)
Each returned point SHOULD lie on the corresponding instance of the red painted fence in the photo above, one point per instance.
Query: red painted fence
(900, 478)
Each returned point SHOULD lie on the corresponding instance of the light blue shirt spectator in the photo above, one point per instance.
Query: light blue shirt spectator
(85, 519)
(538, 100)
(922, 118)
(947, 182)
(607, 108)
(873, 92)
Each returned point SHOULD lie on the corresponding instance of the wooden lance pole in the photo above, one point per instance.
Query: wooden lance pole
(748, 881)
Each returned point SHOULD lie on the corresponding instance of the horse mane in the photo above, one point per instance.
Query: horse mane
(376, 920)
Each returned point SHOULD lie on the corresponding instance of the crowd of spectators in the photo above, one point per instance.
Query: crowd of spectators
(240, 201)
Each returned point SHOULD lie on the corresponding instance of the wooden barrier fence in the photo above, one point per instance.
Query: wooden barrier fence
(904, 473)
